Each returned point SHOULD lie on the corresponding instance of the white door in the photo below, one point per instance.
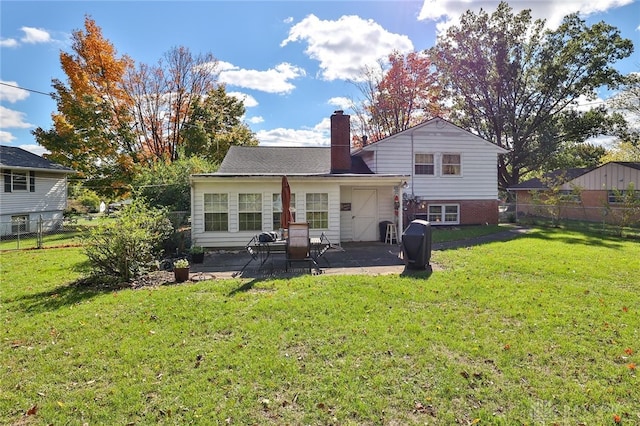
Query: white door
(364, 209)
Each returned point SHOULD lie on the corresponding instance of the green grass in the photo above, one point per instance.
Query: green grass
(543, 329)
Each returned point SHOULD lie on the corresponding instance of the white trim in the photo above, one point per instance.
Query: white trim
(443, 213)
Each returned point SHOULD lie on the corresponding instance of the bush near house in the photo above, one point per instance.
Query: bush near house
(128, 246)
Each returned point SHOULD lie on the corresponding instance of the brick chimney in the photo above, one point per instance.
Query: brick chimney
(340, 143)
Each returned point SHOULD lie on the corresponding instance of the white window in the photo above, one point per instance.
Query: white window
(277, 209)
(621, 196)
(424, 164)
(318, 210)
(444, 214)
(216, 213)
(569, 196)
(19, 224)
(250, 212)
(451, 165)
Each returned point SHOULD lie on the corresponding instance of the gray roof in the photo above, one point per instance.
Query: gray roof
(632, 164)
(257, 160)
(559, 176)
(14, 157)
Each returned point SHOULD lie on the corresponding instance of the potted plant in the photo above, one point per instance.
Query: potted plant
(181, 270)
(197, 254)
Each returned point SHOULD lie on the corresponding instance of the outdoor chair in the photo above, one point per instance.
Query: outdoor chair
(299, 245)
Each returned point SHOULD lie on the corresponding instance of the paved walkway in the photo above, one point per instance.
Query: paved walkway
(371, 258)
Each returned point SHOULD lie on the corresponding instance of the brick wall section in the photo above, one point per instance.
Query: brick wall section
(591, 208)
(472, 212)
(478, 212)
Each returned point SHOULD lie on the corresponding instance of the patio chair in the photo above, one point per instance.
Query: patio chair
(299, 245)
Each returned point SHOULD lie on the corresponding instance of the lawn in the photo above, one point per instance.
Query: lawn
(543, 329)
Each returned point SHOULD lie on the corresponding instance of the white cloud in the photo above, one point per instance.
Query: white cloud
(11, 119)
(12, 94)
(346, 46)
(274, 80)
(447, 12)
(256, 120)
(341, 102)
(35, 149)
(317, 136)
(248, 100)
(8, 42)
(6, 137)
(35, 35)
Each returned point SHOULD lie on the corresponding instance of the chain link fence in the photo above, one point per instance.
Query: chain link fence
(23, 233)
(612, 219)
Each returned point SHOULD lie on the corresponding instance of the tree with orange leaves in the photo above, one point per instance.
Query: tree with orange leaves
(92, 127)
(113, 118)
(400, 94)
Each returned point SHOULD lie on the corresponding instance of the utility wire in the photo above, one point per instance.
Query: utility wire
(28, 90)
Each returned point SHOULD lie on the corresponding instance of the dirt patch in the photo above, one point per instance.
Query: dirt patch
(160, 278)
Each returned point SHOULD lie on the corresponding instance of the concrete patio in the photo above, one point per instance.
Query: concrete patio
(350, 259)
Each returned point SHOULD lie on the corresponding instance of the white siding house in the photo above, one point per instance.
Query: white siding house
(33, 188)
(444, 173)
(331, 190)
(453, 173)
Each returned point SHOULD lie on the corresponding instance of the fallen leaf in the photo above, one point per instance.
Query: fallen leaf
(628, 351)
(32, 411)
(616, 418)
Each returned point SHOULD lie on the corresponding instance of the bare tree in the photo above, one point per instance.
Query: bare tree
(163, 97)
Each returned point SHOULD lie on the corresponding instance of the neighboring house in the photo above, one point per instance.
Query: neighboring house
(347, 195)
(331, 190)
(454, 173)
(33, 188)
(590, 194)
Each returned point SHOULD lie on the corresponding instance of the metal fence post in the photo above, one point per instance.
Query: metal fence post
(39, 235)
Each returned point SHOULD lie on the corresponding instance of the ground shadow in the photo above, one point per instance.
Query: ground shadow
(417, 273)
(590, 239)
(62, 296)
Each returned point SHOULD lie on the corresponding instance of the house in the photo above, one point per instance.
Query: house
(334, 192)
(453, 173)
(591, 194)
(33, 189)
(347, 195)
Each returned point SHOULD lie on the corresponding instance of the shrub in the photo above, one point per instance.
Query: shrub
(128, 246)
(89, 200)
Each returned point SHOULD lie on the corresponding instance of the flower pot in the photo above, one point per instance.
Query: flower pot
(181, 274)
(197, 257)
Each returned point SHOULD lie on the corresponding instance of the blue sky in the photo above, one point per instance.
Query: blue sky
(291, 61)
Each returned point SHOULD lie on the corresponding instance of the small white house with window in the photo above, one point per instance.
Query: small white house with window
(33, 189)
(333, 191)
(453, 173)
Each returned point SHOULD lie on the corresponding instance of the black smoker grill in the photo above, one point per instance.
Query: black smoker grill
(416, 245)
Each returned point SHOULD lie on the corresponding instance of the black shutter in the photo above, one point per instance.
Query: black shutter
(32, 181)
(7, 180)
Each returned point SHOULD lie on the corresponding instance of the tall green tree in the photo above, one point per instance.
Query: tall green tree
(215, 124)
(516, 84)
(166, 184)
(627, 103)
